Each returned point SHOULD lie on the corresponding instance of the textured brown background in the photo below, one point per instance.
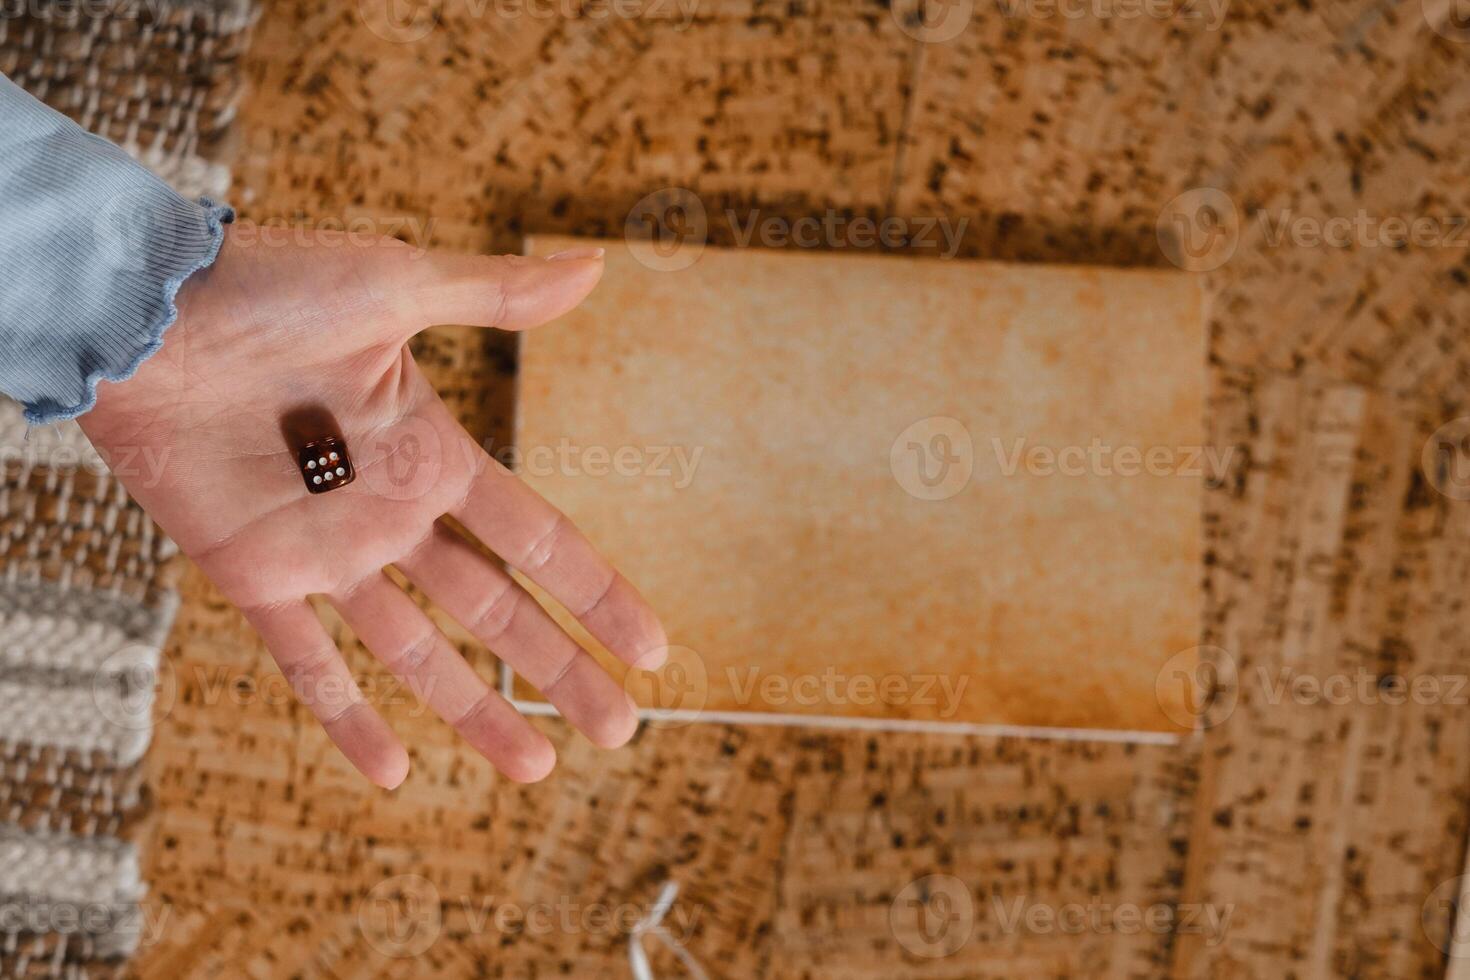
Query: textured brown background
(1323, 827)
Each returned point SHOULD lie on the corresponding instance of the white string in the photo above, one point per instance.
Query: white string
(690, 715)
(649, 926)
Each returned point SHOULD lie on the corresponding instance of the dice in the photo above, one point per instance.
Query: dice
(324, 465)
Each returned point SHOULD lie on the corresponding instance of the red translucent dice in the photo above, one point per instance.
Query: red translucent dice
(324, 465)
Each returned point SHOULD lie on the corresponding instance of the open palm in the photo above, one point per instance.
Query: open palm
(275, 333)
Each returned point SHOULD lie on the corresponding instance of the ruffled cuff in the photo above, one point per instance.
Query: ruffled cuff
(93, 251)
(133, 292)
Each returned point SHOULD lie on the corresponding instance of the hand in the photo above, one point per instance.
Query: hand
(272, 329)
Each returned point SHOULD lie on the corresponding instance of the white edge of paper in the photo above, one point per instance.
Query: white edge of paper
(686, 717)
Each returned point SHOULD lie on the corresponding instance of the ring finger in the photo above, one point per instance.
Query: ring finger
(413, 648)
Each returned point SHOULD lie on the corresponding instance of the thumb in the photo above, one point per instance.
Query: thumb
(509, 292)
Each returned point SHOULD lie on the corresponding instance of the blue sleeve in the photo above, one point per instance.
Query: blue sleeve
(93, 250)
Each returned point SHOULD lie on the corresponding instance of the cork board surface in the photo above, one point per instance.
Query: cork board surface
(266, 855)
(265, 849)
(887, 487)
(1326, 827)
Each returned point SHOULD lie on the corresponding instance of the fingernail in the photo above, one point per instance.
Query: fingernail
(583, 252)
(652, 659)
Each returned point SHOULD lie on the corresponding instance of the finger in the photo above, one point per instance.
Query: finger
(407, 642)
(503, 616)
(317, 673)
(541, 542)
(509, 292)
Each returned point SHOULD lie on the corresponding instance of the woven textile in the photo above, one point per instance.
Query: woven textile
(85, 604)
(86, 595)
(159, 77)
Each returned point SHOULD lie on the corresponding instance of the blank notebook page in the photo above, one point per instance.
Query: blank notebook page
(888, 487)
